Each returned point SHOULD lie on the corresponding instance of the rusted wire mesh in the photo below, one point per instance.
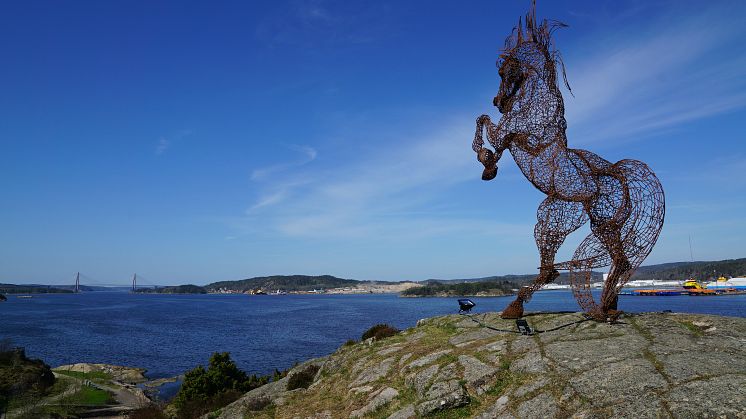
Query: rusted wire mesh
(623, 201)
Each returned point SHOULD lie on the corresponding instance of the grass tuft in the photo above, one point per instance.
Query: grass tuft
(696, 330)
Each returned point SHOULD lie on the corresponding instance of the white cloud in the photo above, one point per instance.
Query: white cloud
(652, 80)
(632, 87)
(383, 193)
(163, 144)
(309, 154)
(313, 24)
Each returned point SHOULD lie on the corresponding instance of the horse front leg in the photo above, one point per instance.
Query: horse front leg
(495, 136)
(556, 220)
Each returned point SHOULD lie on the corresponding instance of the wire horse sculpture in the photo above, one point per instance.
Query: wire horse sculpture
(623, 201)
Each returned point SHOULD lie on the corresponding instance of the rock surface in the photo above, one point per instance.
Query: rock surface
(648, 365)
(116, 372)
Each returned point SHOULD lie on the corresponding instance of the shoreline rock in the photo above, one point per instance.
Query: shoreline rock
(647, 365)
(119, 373)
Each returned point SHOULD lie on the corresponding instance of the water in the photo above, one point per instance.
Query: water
(170, 334)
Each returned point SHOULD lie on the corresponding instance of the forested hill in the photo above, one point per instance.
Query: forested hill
(701, 271)
(283, 282)
(31, 289)
(678, 271)
(176, 289)
(515, 279)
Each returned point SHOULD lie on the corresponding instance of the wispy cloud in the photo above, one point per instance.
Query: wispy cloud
(309, 154)
(164, 143)
(321, 23)
(652, 79)
(383, 193)
(401, 191)
(277, 181)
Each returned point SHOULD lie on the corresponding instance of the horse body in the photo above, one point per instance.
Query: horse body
(623, 201)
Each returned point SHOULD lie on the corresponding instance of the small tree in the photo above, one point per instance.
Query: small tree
(380, 331)
(220, 384)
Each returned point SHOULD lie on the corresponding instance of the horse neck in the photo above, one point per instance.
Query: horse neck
(541, 117)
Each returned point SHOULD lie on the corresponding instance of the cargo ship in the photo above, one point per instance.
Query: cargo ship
(722, 284)
(692, 287)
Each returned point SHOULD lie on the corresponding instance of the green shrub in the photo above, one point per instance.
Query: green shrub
(20, 376)
(350, 342)
(278, 375)
(380, 331)
(204, 390)
(302, 378)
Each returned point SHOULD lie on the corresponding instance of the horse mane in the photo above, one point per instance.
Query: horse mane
(539, 34)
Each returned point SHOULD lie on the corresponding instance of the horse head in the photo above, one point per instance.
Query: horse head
(528, 73)
(527, 65)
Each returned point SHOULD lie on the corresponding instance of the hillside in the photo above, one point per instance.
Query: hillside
(679, 271)
(283, 282)
(481, 288)
(453, 367)
(21, 377)
(31, 289)
(703, 270)
(176, 289)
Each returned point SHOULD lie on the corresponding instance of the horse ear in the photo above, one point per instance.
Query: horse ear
(520, 31)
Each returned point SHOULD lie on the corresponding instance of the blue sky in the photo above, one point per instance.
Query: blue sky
(195, 142)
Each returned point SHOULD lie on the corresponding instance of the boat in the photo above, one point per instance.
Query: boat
(692, 284)
(3, 298)
(694, 288)
(648, 292)
(723, 284)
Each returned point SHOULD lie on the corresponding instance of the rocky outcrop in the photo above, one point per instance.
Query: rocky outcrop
(114, 372)
(649, 365)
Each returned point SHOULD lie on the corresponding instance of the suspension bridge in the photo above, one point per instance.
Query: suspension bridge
(137, 282)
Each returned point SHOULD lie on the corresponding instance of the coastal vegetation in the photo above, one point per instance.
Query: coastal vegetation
(702, 271)
(176, 289)
(380, 331)
(283, 282)
(483, 288)
(21, 378)
(29, 388)
(31, 289)
(206, 389)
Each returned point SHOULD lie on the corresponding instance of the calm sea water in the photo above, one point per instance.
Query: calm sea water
(170, 334)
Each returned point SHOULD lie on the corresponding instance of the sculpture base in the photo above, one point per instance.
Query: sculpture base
(608, 316)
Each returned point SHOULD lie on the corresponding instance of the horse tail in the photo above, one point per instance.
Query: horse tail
(648, 209)
(638, 234)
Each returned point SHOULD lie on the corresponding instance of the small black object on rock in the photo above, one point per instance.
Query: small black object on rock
(523, 327)
(465, 305)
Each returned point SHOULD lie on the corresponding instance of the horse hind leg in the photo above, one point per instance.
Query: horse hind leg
(556, 220)
(632, 241)
(590, 254)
